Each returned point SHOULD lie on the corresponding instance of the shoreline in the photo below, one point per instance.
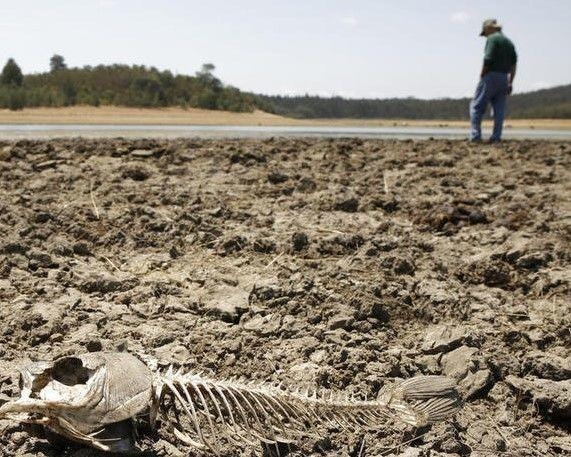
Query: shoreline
(112, 115)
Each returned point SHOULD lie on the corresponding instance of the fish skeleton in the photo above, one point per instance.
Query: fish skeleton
(97, 398)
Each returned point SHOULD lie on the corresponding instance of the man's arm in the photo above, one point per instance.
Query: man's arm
(485, 69)
(511, 78)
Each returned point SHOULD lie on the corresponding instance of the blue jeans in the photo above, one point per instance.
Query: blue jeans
(492, 88)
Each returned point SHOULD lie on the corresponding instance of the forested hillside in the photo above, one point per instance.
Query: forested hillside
(123, 85)
(140, 86)
(547, 103)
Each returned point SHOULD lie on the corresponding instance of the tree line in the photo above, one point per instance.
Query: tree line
(124, 85)
(547, 103)
(148, 87)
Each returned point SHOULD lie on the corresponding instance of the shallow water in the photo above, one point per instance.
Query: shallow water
(34, 131)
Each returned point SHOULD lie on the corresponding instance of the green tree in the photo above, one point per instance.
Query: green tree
(206, 77)
(11, 74)
(57, 62)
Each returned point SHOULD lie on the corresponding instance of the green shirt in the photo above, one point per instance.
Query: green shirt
(499, 54)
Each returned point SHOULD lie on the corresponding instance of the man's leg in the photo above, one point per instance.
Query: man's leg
(499, 105)
(477, 109)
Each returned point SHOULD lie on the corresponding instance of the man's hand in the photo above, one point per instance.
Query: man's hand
(510, 88)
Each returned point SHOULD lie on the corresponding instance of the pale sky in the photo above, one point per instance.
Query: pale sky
(351, 48)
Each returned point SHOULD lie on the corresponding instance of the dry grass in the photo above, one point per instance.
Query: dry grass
(110, 115)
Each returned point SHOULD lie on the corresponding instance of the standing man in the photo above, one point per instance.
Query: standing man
(496, 80)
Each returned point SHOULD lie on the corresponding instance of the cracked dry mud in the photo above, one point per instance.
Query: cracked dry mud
(342, 263)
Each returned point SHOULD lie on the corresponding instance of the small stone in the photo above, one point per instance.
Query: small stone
(457, 363)
(93, 346)
(477, 216)
(442, 338)
(46, 164)
(5, 153)
(403, 266)
(561, 444)
(318, 356)
(547, 365)
(142, 153)
(379, 313)
(173, 353)
(227, 303)
(56, 338)
(42, 217)
(92, 281)
(81, 248)
(136, 173)
(552, 398)
(350, 205)
(264, 325)
(83, 334)
(299, 241)
(304, 372)
(20, 261)
(475, 384)
(41, 259)
(14, 248)
(534, 260)
(276, 177)
(411, 452)
(344, 322)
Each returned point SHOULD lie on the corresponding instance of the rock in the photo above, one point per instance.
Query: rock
(101, 282)
(42, 217)
(264, 325)
(560, 444)
(534, 260)
(516, 248)
(94, 346)
(227, 303)
(173, 353)
(5, 153)
(136, 173)
(411, 452)
(264, 245)
(436, 291)
(552, 398)
(142, 153)
(476, 383)
(318, 356)
(343, 321)
(305, 373)
(231, 244)
(547, 365)
(276, 177)
(457, 363)
(14, 248)
(379, 312)
(81, 248)
(46, 164)
(443, 338)
(20, 261)
(477, 216)
(350, 205)
(41, 259)
(402, 266)
(299, 241)
(85, 333)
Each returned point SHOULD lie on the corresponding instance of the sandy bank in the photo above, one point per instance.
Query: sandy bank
(109, 115)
